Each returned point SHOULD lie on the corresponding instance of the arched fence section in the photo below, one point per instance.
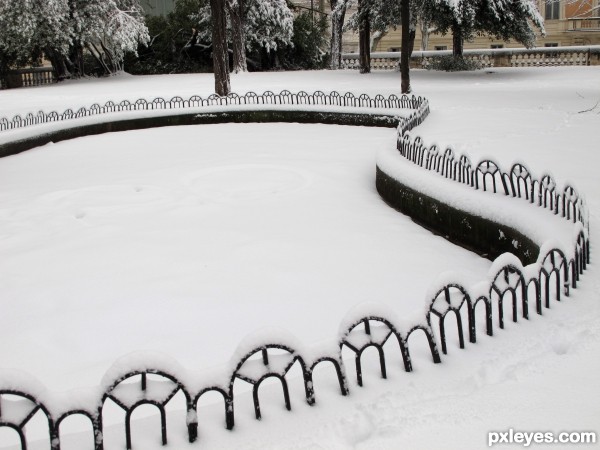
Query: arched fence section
(268, 98)
(511, 292)
(488, 175)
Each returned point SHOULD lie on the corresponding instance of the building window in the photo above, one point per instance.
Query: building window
(552, 9)
(551, 44)
(496, 46)
(394, 49)
(441, 47)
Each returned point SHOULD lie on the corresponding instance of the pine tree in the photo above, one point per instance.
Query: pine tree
(511, 19)
(503, 19)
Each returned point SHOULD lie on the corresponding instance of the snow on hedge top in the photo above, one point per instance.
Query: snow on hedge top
(538, 224)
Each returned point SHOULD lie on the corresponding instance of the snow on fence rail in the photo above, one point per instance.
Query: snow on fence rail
(251, 98)
(149, 378)
(501, 57)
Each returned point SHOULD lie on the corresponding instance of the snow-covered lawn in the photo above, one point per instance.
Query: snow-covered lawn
(156, 239)
(185, 239)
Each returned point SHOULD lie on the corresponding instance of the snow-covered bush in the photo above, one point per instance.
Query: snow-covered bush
(30, 29)
(450, 63)
(63, 31)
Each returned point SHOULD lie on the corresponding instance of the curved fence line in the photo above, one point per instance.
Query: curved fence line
(251, 98)
(488, 175)
(149, 379)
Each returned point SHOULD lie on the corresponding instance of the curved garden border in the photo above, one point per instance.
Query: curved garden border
(148, 378)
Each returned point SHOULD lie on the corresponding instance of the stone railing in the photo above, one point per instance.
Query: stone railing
(584, 24)
(144, 378)
(502, 57)
(36, 76)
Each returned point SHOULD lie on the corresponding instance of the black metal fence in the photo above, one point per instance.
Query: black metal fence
(487, 175)
(145, 380)
(301, 98)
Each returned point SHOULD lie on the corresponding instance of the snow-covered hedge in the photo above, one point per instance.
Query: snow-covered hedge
(150, 378)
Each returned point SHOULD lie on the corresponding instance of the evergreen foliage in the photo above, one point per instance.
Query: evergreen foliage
(60, 30)
(451, 63)
(173, 45)
(262, 26)
(308, 46)
(502, 19)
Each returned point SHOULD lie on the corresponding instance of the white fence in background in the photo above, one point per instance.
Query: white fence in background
(497, 57)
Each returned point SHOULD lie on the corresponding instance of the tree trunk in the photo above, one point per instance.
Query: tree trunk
(375, 38)
(405, 50)
(58, 64)
(412, 34)
(338, 13)
(238, 34)
(98, 56)
(219, 41)
(115, 64)
(77, 58)
(424, 35)
(457, 40)
(364, 39)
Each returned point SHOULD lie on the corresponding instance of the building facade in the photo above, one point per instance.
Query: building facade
(567, 23)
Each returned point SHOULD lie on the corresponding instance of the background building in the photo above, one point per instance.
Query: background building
(567, 23)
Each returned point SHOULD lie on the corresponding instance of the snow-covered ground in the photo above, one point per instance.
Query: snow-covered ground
(127, 241)
(155, 239)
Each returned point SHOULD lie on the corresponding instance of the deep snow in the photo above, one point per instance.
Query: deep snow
(540, 375)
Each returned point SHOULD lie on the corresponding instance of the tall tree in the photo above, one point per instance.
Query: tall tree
(376, 16)
(338, 14)
(269, 24)
(364, 36)
(406, 48)
(503, 19)
(508, 20)
(219, 41)
(254, 24)
(235, 9)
